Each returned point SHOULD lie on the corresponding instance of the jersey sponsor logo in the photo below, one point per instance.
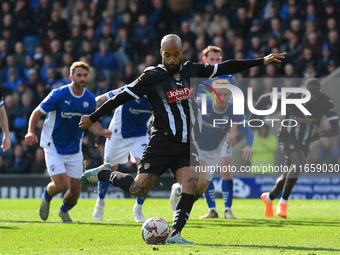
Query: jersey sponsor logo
(180, 94)
(67, 102)
(139, 111)
(69, 115)
(86, 104)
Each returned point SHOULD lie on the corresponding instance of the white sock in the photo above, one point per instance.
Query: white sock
(137, 207)
(269, 200)
(100, 201)
(227, 209)
(212, 209)
(283, 201)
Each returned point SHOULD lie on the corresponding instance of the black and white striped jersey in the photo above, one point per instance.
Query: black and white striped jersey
(175, 112)
(171, 97)
(304, 131)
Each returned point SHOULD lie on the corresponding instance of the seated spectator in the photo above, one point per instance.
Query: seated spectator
(143, 37)
(33, 78)
(20, 53)
(14, 81)
(39, 165)
(104, 61)
(65, 78)
(67, 59)
(103, 85)
(38, 54)
(51, 78)
(331, 66)
(18, 163)
(70, 48)
(10, 65)
(57, 52)
(30, 65)
(48, 63)
(324, 59)
(219, 21)
(334, 42)
(10, 105)
(186, 34)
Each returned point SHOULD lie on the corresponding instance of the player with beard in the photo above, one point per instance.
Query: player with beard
(167, 87)
(61, 138)
(294, 141)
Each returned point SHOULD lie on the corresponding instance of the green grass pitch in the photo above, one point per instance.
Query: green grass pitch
(312, 227)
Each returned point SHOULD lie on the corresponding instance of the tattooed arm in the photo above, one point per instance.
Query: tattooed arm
(101, 100)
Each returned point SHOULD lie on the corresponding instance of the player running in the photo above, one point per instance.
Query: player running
(294, 141)
(61, 138)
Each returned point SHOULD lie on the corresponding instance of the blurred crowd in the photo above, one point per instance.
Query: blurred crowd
(40, 39)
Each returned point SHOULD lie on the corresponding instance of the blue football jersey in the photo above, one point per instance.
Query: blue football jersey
(131, 118)
(64, 110)
(212, 136)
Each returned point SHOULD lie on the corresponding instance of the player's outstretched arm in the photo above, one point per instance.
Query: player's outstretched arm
(97, 129)
(101, 100)
(236, 65)
(87, 121)
(30, 137)
(6, 141)
(274, 57)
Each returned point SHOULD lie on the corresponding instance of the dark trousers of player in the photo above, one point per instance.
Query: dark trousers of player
(124, 182)
(175, 156)
(295, 154)
(285, 183)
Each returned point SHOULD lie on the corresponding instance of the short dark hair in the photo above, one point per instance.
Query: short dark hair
(79, 64)
(313, 82)
(211, 48)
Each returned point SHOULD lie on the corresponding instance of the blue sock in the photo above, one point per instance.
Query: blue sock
(47, 197)
(66, 207)
(140, 200)
(227, 192)
(209, 196)
(102, 189)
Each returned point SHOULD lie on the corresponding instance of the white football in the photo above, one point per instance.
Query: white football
(155, 231)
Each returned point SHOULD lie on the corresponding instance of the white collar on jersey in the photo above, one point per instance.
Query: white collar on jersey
(69, 87)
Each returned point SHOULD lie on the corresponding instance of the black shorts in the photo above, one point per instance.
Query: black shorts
(163, 153)
(289, 144)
